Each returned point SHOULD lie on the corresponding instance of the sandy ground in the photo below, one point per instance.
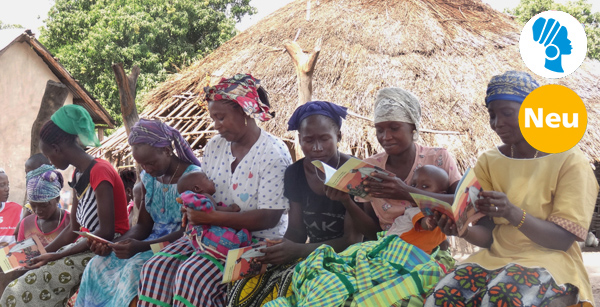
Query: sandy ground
(591, 260)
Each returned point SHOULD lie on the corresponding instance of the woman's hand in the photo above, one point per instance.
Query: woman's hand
(42, 260)
(336, 195)
(280, 253)
(496, 204)
(195, 217)
(390, 187)
(446, 224)
(99, 248)
(127, 248)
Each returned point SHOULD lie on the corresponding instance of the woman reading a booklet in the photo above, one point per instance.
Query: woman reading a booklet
(247, 165)
(537, 204)
(316, 212)
(99, 206)
(112, 278)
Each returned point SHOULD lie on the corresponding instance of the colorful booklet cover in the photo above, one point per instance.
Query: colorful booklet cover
(18, 254)
(462, 211)
(350, 177)
(92, 236)
(241, 263)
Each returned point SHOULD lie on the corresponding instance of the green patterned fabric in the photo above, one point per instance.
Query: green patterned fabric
(374, 273)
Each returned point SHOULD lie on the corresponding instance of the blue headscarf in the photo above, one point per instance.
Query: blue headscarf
(511, 85)
(43, 184)
(325, 108)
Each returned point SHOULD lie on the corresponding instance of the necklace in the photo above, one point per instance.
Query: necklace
(336, 167)
(59, 220)
(171, 180)
(512, 152)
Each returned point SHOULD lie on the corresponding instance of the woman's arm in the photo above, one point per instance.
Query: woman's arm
(253, 220)
(544, 233)
(392, 187)
(479, 234)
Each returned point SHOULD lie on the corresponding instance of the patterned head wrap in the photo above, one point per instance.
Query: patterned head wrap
(511, 85)
(399, 105)
(196, 201)
(243, 90)
(545, 31)
(158, 134)
(43, 184)
(328, 109)
(74, 119)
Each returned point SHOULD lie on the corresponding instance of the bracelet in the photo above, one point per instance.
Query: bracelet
(522, 220)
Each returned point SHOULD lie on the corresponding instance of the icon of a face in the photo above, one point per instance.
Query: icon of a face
(562, 41)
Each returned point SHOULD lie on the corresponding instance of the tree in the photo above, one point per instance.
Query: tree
(157, 35)
(9, 26)
(580, 9)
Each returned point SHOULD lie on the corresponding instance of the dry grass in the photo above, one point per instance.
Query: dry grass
(445, 52)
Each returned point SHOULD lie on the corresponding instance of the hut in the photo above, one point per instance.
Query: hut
(444, 51)
(27, 71)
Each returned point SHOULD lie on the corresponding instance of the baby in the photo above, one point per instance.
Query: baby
(413, 227)
(196, 192)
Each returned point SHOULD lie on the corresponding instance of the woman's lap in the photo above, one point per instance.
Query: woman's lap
(198, 282)
(48, 285)
(512, 285)
(110, 281)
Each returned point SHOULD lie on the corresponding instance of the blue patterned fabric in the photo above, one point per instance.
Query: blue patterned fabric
(110, 281)
(511, 85)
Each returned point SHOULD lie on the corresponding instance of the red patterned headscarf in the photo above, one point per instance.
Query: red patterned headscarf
(242, 89)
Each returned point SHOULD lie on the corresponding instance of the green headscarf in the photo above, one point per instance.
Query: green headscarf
(74, 119)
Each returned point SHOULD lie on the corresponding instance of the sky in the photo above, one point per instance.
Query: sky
(32, 13)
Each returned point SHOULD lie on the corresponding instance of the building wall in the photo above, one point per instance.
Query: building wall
(23, 77)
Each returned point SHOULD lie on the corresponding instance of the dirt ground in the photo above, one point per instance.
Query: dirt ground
(591, 260)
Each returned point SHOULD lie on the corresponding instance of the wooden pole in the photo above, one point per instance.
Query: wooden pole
(54, 97)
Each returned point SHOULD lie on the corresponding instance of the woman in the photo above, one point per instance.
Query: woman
(10, 212)
(112, 278)
(43, 192)
(537, 206)
(247, 166)
(397, 118)
(316, 212)
(100, 208)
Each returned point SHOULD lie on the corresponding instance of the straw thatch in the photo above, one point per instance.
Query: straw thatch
(443, 51)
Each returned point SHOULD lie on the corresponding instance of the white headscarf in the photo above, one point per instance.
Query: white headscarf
(399, 105)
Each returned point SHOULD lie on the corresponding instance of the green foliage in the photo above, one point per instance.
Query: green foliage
(580, 9)
(9, 26)
(157, 35)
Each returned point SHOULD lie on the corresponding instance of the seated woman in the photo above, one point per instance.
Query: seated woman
(99, 206)
(112, 278)
(316, 212)
(247, 165)
(10, 212)
(397, 121)
(43, 191)
(537, 206)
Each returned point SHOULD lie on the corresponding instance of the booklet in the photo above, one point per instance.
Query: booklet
(92, 236)
(350, 177)
(18, 254)
(463, 211)
(240, 263)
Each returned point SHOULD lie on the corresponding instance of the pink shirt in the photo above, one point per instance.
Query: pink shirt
(387, 210)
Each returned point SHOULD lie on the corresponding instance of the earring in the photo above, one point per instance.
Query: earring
(246, 121)
(415, 135)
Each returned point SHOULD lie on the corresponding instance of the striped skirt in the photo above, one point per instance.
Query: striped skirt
(178, 276)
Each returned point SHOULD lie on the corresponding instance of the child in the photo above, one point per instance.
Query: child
(413, 227)
(196, 191)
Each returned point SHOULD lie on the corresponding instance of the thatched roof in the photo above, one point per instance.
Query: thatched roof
(444, 51)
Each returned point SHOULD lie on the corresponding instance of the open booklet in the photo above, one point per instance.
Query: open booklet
(18, 254)
(240, 263)
(349, 177)
(462, 211)
(93, 237)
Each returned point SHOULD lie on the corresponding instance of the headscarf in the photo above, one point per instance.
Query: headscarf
(43, 184)
(243, 90)
(326, 108)
(545, 31)
(396, 104)
(511, 85)
(74, 119)
(158, 134)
